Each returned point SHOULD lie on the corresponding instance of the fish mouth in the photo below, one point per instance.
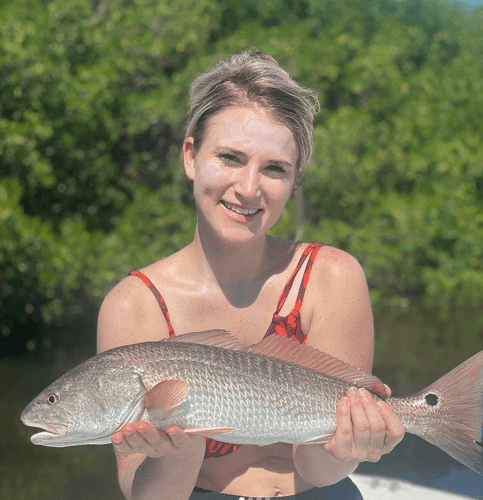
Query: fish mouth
(50, 433)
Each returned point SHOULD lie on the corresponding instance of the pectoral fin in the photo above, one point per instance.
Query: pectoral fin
(165, 396)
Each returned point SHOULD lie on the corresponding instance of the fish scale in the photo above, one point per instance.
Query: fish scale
(275, 391)
(254, 394)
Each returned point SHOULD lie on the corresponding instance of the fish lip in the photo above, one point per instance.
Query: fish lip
(50, 433)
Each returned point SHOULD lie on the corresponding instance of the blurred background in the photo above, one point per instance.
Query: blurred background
(93, 95)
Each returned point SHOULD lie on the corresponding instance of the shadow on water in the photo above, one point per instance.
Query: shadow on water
(413, 348)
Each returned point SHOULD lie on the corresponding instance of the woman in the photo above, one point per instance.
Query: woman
(249, 135)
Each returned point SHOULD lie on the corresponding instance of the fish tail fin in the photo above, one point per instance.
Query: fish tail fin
(455, 401)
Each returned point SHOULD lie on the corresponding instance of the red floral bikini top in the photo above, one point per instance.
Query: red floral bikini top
(288, 326)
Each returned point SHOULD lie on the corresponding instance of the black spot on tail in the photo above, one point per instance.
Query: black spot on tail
(431, 399)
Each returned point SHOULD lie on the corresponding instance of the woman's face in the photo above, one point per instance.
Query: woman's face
(243, 173)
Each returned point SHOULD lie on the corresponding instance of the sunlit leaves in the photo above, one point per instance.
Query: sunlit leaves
(396, 177)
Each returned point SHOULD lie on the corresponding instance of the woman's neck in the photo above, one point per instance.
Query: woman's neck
(232, 268)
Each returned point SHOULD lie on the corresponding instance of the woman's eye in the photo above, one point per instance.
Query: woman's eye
(228, 157)
(276, 169)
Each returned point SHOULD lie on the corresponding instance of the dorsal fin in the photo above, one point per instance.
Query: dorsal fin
(214, 338)
(291, 351)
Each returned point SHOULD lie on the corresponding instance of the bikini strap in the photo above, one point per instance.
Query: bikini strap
(311, 250)
(158, 297)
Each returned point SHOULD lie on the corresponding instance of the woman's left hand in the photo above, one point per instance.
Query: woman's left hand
(366, 430)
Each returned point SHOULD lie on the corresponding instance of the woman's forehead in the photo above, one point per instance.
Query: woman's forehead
(246, 127)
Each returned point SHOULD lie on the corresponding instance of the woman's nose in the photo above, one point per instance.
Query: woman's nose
(248, 183)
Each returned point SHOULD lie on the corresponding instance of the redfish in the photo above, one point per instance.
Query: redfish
(275, 391)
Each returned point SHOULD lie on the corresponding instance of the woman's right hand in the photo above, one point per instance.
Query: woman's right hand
(143, 438)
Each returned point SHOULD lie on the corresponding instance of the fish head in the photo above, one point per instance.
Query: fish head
(86, 405)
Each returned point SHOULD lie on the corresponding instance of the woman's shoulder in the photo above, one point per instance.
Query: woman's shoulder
(334, 263)
(337, 278)
(131, 292)
(130, 312)
(330, 264)
(340, 313)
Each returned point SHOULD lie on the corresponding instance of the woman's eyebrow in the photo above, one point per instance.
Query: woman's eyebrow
(227, 149)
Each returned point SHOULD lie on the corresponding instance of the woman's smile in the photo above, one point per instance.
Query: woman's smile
(241, 210)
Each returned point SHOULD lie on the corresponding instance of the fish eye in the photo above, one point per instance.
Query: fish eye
(431, 399)
(52, 399)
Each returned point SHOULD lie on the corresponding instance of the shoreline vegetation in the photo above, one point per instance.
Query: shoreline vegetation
(91, 126)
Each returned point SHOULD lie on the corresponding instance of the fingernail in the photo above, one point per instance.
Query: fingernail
(128, 434)
(352, 391)
(363, 392)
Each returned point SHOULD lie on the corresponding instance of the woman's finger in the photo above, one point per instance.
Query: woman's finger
(142, 438)
(377, 424)
(341, 444)
(178, 437)
(394, 431)
(361, 426)
(366, 429)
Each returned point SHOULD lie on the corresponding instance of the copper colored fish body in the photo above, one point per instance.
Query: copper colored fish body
(275, 391)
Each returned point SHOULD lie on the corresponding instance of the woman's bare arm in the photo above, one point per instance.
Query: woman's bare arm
(168, 468)
(151, 464)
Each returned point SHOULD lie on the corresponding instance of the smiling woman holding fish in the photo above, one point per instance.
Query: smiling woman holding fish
(249, 135)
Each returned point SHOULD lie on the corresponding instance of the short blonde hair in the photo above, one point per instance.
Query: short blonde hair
(254, 79)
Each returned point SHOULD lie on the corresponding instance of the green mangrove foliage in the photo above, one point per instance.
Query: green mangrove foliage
(92, 100)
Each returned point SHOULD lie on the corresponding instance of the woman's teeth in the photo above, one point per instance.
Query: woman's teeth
(239, 210)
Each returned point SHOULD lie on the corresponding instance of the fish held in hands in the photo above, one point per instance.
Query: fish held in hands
(275, 391)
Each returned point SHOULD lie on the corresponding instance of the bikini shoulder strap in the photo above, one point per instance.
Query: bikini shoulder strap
(311, 250)
(157, 295)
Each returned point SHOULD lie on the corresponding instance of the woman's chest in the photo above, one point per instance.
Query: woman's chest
(247, 318)
(249, 324)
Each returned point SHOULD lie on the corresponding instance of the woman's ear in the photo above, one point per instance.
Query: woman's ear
(189, 157)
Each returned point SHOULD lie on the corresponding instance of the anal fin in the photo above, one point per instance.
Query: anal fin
(321, 440)
(212, 431)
